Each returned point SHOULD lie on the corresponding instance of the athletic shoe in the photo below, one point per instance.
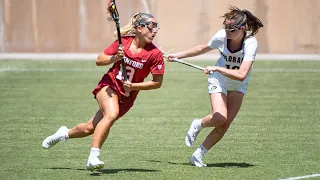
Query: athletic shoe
(192, 134)
(52, 140)
(197, 161)
(94, 163)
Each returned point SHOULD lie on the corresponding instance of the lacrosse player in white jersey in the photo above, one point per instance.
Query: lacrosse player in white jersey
(228, 84)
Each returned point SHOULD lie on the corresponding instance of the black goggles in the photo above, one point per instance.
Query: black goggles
(234, 27)
(231, 28)
(151, 25)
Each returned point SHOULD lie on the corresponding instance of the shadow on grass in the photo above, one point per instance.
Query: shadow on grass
(230, 165)
(114, 171)
(221, 165)
(107, 171)
(61, 168)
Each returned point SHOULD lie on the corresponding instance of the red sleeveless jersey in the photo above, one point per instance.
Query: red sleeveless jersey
(138, 66)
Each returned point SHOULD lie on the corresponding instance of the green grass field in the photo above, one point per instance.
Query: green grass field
(276, 134)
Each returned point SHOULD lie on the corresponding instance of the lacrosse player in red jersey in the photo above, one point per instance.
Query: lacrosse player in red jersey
(141, 57)
(228, 84)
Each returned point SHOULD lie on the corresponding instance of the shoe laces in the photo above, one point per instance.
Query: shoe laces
(53, 140)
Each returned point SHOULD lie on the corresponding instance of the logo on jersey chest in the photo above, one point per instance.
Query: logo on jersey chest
(133, 63)
(233, 59)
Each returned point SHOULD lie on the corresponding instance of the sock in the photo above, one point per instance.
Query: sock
(66, 136)
(201, 150)
(94, 152)
(198, 124)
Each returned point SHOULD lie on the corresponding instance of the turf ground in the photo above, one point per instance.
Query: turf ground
(276, 134)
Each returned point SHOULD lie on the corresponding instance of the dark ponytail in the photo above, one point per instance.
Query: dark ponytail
(253, 23)
(243, 18)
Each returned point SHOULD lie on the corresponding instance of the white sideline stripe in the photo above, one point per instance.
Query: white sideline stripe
(170, 70)
(93, 56)
(48, 56)
(302, 177)
(285, 70)
(48, 69)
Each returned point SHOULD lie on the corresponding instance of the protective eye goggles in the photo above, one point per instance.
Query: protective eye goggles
(152, 26)
(234, 27)
(230, 28)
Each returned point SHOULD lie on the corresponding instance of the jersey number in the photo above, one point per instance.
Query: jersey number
(233, 67)
(130, 73)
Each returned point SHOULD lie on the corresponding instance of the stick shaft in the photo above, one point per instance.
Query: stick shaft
(191, 65)
(123, 66)
(188, 64)
(116, 18)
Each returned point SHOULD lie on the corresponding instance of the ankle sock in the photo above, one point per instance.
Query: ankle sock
(95, 152)
(201, 150)
(198, 124)
(66, 136)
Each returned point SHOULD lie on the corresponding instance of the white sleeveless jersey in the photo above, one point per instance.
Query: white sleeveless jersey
(232, 60)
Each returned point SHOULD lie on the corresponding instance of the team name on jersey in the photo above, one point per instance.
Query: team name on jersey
(232, 58)
(133, 63)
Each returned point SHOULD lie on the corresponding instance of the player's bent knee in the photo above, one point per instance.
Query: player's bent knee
(218, 119)
(111, 117)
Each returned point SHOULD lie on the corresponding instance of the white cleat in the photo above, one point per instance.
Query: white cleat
(94, 163)
(192, 134)
(55, 138)
(197, 161)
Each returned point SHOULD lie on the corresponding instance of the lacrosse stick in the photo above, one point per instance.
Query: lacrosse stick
(112, 9)
(183, 62)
